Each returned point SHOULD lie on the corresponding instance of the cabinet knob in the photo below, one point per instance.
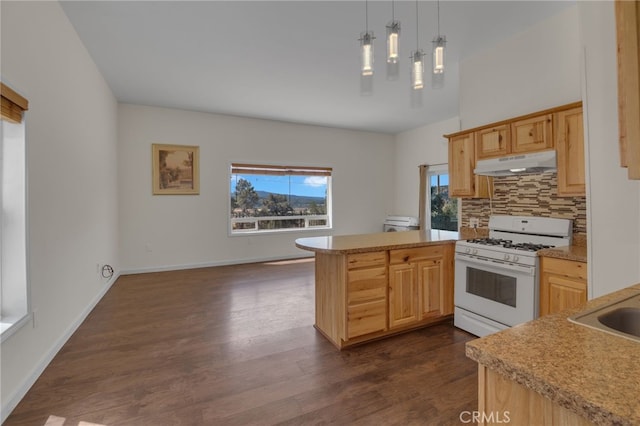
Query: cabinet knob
(405, 259)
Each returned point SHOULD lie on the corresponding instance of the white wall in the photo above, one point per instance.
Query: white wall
(185, 231)
(534, 70)
(71, 162)
(613, 207)
(424, 145)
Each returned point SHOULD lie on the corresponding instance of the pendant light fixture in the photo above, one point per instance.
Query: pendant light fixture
(366, 46)
(439, 42)
(393, 38)
(366, 56)
(417, 61)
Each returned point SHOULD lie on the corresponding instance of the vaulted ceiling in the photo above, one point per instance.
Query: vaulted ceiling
(295, 61)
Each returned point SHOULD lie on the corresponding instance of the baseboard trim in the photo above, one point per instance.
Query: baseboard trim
(22, 390)
(207, 264)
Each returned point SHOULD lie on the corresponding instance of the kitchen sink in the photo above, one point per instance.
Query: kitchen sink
(621, 318)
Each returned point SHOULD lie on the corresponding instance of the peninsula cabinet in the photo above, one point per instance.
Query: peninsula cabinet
(569, 136)
(419, 284)
(503, 400)
(563, 284)
(463, 183)
(366, 296)
(366, 293)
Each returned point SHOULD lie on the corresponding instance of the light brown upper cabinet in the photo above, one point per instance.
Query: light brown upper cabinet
(462, 160)
(493, 142)
(560, 128)
(532, 134)
(628, 33)
(569, 133)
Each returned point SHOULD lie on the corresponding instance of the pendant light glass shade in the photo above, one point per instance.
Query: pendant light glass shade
(393, 36)
(437, 74)
(417, 69)
(366, 53)
(439, 44)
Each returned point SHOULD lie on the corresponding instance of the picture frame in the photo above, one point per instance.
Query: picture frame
(175, 169)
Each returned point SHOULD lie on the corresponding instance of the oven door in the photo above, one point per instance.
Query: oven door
(499, 291)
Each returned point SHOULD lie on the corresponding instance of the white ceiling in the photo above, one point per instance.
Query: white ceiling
(293, 61)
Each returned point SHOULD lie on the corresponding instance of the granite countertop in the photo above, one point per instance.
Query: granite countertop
(590, 372)
(344, 244)
(573, 252)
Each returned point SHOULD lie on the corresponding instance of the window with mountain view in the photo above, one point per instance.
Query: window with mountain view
(444, 210)
(267, 198)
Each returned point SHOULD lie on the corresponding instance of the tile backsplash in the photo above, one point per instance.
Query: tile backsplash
(531, 195)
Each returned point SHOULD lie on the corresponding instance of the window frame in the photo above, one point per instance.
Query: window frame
(238, 168)
(13, 107)
(436, 170)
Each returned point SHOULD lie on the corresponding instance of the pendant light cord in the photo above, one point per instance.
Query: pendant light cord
(366, 16)
(393, 11)
(417, 28)
(438, 18)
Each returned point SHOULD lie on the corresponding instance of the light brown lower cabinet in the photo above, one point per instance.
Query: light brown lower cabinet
(366, 296)
(504, 401)
(563, 284)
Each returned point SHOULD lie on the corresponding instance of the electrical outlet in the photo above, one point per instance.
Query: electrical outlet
(474, 222)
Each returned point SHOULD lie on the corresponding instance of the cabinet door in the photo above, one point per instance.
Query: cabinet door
(493, 142)
(462, 161)
(403, 295)
(532, 134)
(461, 164)
(563, 284)
(628, 49)
(570, 148)
(564, 293)
(430, 287)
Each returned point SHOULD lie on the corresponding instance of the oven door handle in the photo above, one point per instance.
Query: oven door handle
(470, 260)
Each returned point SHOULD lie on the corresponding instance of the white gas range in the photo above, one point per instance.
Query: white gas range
(496, 278)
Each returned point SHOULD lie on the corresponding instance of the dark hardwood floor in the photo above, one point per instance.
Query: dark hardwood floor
(235, 345)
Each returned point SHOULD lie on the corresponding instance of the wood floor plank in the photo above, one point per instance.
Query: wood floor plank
(235, 345)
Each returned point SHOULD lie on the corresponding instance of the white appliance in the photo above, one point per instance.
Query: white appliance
(400, 223)
(496, 278)
(536, 162)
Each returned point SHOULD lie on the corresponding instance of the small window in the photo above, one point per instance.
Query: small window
(14, 299)
(268, 198)
(444, 210)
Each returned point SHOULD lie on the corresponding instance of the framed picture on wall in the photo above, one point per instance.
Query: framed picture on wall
(176, 169)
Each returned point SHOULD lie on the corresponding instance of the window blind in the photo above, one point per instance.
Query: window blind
(257, 169)
(12, 104)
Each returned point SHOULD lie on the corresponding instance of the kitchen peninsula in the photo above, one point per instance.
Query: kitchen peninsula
(552, 371)
(374, 285)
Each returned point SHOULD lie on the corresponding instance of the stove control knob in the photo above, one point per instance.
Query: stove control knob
(475, 251)
(467, 250)
(507, 257)
(516, 258)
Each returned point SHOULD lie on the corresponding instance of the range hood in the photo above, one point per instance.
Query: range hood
(536, 162)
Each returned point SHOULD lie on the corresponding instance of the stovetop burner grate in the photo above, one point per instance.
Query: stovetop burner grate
(509, 244)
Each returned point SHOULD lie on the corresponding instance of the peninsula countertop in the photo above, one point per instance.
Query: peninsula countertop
(362, 243)
(589, 372)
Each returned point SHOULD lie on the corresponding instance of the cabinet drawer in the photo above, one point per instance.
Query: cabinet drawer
(413, 254)
(366, 318)
(367, 260)
(366, 284)
(567, 268)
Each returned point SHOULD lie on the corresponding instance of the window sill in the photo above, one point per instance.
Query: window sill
(10, 325)
(253, 233)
